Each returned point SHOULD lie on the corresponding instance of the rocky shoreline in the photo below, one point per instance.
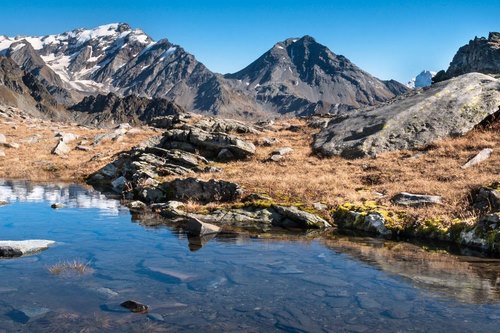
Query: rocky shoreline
(161, 177)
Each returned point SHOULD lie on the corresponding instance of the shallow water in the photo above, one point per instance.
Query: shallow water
(232, 283)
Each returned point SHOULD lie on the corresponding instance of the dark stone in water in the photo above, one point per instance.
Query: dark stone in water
(25, 315)
(135, 307)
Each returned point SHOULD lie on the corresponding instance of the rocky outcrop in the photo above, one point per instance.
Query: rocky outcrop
(184, 150)
(111, 108)
(450, 108)
(10, 249)
(481, 55)
(253, 216)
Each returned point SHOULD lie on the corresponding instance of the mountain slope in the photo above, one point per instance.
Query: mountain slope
(296, 73)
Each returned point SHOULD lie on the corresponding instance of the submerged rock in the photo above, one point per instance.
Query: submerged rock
(25, 315)
(10, 249)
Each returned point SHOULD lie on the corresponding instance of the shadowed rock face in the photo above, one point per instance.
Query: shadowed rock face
(480, 55)
(301, 76)
(450, 108)
(132, 109)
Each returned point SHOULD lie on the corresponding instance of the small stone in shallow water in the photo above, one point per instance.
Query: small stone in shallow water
(25, 315)
(156, 317)
(134, 306)
(3, 202)
(57, 205)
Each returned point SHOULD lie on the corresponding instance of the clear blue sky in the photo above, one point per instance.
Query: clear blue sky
(390, 39)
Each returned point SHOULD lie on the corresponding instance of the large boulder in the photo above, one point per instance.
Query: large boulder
(193, 189)
(449, 108)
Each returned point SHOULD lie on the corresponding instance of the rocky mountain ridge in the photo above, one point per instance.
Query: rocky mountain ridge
(297, 76)
(480, 55)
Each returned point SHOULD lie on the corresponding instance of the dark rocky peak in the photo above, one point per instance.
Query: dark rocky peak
(479, 55)
(111, 108)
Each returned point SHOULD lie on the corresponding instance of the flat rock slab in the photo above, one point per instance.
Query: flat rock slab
(11, 249)
(448, 108)
(483, 155)
(411, 199)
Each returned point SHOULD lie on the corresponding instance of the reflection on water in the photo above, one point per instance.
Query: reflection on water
(468, 279)
(72, 196)
(226, 283)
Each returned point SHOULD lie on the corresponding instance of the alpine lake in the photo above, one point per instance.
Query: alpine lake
(103, 256)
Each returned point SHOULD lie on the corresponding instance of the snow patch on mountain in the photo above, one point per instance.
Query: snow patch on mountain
(424, 79)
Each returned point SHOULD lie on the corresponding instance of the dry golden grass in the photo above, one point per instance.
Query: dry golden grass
(304, 178)
(301, 178)
(34, 161)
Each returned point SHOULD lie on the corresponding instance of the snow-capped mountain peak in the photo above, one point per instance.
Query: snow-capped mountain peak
(424, 79)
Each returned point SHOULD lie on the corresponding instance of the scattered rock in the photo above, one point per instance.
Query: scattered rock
(2, 153)
(488, 198)
(279, 154)
(57, 205)
(137, 206)
(3, 203)
(198, 228)
(483, 155)
(256, 197)
(118, 184)
(61, 149)
(292, 217)
(12, 145)
(267, 142)
(10, 249)
(135, 307)
(3, 139)
(410, 199)
(66, 137)
(25, 315)
(83, 148)
(320, 206)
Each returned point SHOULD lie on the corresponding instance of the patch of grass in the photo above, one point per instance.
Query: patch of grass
(75, 266)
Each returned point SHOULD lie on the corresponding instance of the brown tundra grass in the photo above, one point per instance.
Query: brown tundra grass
(303, 178)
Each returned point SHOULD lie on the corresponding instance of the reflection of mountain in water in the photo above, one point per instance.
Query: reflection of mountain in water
(71, 195)
(467, 279)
